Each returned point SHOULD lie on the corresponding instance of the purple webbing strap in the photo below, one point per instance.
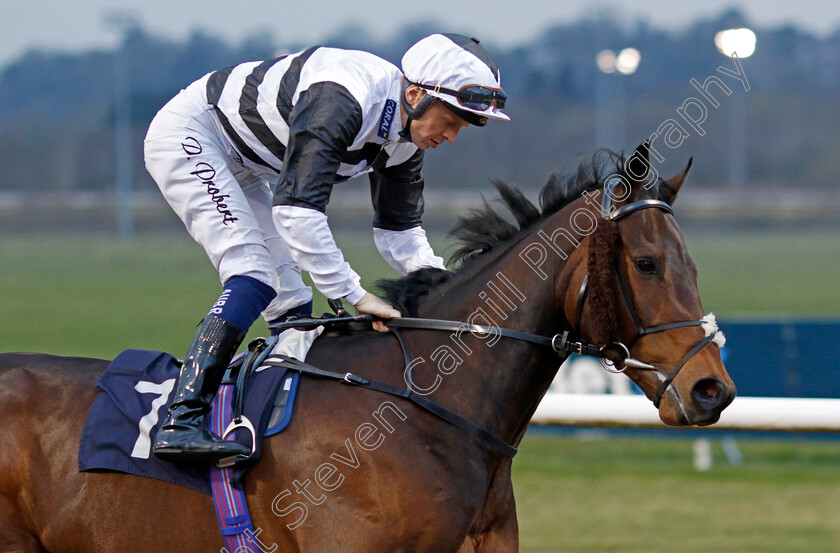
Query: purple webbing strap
(231, 508)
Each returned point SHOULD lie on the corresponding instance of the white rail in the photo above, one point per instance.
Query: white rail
(745, 413)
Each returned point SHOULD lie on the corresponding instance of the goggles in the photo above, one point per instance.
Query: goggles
(473, 96)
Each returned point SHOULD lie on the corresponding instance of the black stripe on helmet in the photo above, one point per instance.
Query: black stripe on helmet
(471, 45)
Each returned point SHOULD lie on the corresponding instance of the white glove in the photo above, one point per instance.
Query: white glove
(378, 307)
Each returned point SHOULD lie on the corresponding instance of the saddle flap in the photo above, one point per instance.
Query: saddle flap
(281, 411)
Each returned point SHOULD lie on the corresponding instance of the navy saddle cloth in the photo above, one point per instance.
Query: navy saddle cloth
(134, 395)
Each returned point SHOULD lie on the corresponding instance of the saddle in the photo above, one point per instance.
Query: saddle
(240, 374)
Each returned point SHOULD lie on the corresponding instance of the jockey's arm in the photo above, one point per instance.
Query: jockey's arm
(323, 123)
(397, 195)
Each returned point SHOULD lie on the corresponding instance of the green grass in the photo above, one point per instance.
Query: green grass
(641, 495)
(769, 274)
(92, 296)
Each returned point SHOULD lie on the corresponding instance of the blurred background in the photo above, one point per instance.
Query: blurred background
(92, 261)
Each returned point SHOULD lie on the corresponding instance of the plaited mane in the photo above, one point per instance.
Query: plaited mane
(484, 229)
(602, 283)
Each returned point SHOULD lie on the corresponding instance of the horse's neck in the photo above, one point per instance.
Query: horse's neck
(499, 381)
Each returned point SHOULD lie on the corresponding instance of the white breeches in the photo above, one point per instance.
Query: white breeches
(225, 207)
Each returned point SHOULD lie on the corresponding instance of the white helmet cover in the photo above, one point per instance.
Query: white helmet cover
(454, 62)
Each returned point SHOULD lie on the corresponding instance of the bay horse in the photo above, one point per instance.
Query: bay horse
(358, 470)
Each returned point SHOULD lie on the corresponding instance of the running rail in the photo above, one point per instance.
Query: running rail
(745, 413)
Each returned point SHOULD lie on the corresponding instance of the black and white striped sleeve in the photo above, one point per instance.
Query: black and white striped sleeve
(397, 195)
(322, 125)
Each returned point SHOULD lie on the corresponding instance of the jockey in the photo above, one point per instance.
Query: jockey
(247, 157)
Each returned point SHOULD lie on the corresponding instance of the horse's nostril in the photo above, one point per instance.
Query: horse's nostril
(710, 388)
(708, 393)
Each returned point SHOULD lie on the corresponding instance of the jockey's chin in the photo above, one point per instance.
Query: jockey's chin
(436, 126)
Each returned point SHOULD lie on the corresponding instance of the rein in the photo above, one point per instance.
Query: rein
(484, 436)
(612, 355)
(560, 343)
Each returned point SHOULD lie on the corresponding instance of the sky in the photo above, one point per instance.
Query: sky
(59, 25)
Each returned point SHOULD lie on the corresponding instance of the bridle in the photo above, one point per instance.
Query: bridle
(615, 356)
(616, 350)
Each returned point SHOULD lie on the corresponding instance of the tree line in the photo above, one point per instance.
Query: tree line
(57, 109)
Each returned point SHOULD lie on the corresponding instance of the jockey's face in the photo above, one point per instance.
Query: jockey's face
(437, 124)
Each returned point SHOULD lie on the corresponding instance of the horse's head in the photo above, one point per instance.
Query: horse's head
(638, 287)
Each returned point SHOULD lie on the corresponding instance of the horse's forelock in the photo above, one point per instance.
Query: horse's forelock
(602, 295)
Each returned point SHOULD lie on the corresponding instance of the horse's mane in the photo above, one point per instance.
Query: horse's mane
(483, 229)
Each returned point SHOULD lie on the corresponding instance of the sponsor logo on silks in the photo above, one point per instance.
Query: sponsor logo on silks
(386, 119)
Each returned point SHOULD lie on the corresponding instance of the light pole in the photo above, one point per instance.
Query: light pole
(610, 110)
(123, 161)
(740, 42)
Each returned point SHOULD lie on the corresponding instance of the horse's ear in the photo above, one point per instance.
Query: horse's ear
(668, 189)
(638, 171)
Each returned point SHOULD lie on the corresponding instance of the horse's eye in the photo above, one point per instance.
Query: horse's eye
(646, 266)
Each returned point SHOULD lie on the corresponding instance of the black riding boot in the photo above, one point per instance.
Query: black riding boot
(184, 437)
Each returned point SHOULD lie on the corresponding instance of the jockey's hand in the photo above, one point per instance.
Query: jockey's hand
(377, 307)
